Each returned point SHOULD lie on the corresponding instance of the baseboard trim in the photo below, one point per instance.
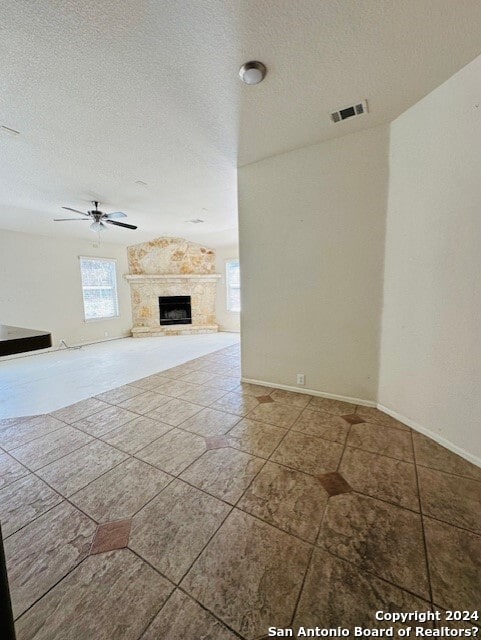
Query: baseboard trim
(311, 392)
(447, 444)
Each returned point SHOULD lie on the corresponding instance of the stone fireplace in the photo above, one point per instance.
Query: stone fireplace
(173, 287)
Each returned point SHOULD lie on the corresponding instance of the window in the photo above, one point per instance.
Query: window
(233, 285)
(99, 288)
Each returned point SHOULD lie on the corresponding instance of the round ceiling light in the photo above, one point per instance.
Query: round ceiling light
(252, 72)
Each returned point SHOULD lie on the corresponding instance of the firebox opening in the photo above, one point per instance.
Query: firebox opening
(175, 310)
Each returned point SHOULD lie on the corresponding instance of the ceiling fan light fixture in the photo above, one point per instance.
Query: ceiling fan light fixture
(252, 72)
(97, 226)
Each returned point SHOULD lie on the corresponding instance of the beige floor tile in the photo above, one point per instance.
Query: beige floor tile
(121, 492)
(175, 388)
(336, 593)
(336, 407)
(307, 453)
(136, 435)
(198, 377)
(79, 410)
(216, 369)
(288, 499)
(43, 552)
(150, 382)
(119, 394)
(249, 575)
(210, 422)
(381, 477)
(257, 438)
(254, 389)
(379, 439)
(42, 451)
(280, 415)
(300, 400)
(323, 425)
(371, 414)
(378, 537)
(174, 451)
(23, 501)
(118, 593)
(172, 530)
(182, 617)
(144, 402)
(238, 403)
(18, 432)
(10, 470)
(455, 565)
(77, 469)
(224, 473)
(203, 395)
(433, 455)
(451, 498)
(181, 370)
(229, 383)
(105, 421)
(174, 412)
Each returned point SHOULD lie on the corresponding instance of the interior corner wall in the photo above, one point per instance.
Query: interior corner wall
(430, 367)
(227, 320)
(312, 224)
(40, 287)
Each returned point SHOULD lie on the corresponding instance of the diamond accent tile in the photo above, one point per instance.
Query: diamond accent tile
(264, 399)
(111, 536)
(352, 418)
(334, 483)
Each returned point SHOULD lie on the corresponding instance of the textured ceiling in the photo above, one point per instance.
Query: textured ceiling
(108, 93)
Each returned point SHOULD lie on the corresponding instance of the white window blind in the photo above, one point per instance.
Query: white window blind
(99, 288)
(233, 285)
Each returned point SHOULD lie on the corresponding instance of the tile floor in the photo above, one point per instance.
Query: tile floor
(188, 505)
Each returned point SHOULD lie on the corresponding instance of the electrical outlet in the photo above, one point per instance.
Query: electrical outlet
(301, 378)
(106, 333)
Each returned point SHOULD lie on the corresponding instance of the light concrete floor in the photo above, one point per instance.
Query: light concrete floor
(44, 382)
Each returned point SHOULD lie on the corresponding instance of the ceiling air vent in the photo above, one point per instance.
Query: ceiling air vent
(353, 110)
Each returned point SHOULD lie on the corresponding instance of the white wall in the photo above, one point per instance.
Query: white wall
(312, 225)
(40, 287)
(430, 368)
(228, 320)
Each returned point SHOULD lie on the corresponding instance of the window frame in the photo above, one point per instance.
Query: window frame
(228, 287)
(115, 288)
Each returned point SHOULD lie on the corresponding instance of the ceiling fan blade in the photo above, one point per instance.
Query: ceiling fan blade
(115, 214)
(121, 224)
(75, 211)
(68, 219)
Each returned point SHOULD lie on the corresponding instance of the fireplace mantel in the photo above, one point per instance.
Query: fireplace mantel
(172, 277)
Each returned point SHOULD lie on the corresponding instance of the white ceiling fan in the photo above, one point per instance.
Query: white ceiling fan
(98, 218)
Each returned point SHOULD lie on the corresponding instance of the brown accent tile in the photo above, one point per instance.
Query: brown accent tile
(352, 418)
(334, 483)
(378, 537)
(111, 536)
(264, 399)
(454, 564)
(216, 442)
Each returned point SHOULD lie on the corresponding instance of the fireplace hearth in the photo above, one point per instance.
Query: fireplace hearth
(175, 310)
